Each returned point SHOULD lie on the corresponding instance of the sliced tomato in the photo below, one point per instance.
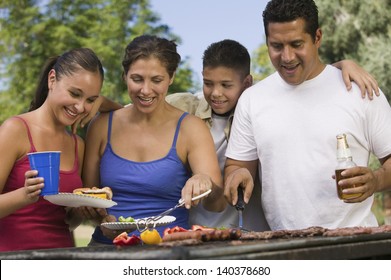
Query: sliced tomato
(121, 237)
(166, 231)
(124, 239)
(174, 229)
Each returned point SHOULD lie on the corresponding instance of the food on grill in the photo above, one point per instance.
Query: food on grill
(182, 235)
(272, 234)
(185, 242)
(314, 231)
(204, 235)
(353, 231)
(176, 235)
(151, 237)
(347, 231)
(124, 239)
(263, 235)
(221, 234)
(311, 231)
(104, 192)
(382, 229)
(198, 227)
(174, 229)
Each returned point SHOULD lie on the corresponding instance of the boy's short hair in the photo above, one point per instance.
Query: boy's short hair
(227, 53)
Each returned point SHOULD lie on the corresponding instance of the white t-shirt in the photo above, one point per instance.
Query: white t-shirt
(228, 217)
(220, 141)
(253, 217)
(292, 131)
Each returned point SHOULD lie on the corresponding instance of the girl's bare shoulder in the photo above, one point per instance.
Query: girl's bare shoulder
(14, 126)
(14, 137)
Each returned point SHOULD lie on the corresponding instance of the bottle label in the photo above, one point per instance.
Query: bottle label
(341, 195)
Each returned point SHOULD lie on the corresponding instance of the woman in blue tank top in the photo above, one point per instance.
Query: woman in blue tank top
(150, 153)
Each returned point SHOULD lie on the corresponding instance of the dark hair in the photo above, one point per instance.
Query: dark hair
(227, 53)
(290, 10)
(66, 64)
(146, 46)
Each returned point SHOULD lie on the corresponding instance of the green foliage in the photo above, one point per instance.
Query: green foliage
(32, 31)
(183, 80)
(261, 65)
(377, 207)
(358, 30)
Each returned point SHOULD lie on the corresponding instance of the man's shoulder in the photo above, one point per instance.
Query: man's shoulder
(264, 85)
(271, 79)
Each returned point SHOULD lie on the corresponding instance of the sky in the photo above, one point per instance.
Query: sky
(202, 22)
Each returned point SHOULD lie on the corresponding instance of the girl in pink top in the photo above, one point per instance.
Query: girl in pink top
(69, 86)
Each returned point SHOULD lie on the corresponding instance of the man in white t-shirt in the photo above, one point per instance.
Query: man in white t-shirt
(226, 74)
(285, 128)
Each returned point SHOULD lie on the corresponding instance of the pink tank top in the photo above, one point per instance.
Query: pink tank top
(39, 225)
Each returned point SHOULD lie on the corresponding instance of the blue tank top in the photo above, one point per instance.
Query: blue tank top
(144, 189)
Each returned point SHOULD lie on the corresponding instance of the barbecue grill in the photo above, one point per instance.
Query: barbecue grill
(365, 246)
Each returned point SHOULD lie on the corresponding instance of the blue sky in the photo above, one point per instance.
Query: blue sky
(202, 22)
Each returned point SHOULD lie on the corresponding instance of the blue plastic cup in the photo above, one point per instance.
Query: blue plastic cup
(48, 166)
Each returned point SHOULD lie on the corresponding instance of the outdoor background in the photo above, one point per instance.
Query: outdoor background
(31, 31)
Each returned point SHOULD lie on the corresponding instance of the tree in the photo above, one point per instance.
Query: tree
(17, 45)
(31, 31)
(261, 64)
(358, 30)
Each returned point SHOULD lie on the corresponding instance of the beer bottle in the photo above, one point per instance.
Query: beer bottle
(344, 161)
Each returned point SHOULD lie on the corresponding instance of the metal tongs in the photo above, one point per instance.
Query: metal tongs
(152, 220)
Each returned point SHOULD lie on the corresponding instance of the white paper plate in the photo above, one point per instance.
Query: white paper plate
(78, 200)
(141, 223)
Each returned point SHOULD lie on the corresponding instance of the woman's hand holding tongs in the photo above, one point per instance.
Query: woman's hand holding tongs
(196, 185)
